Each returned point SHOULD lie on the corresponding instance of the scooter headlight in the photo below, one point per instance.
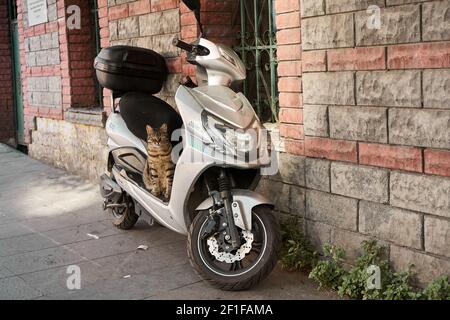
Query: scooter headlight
(230, 141)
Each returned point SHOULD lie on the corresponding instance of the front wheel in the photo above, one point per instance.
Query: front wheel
(240, 269)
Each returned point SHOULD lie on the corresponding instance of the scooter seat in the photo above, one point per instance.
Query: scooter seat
(140, 109)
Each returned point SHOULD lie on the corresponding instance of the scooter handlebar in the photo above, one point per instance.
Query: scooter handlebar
(197, 50)
(183, 45)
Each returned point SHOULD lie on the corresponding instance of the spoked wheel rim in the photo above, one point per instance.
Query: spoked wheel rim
(240, 267)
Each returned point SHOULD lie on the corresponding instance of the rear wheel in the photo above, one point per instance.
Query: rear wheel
(240, 269)
(124, 216)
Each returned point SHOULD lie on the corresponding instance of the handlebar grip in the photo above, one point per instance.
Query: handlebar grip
(182, 45)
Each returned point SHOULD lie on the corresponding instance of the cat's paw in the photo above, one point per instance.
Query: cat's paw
(155, 191)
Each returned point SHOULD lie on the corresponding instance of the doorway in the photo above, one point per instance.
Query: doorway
(16, 72)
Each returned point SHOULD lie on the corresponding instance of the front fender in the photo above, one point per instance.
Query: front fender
(246, 201)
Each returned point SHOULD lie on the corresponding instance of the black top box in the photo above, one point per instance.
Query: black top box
(126, 69)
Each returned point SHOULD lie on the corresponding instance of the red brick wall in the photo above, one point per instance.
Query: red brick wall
(31, 112)
(81, 54)
(6, 91)
(219, 25)
(289, 75)
(189, 33)
(75, 65)
(104, 42)
(221, 20)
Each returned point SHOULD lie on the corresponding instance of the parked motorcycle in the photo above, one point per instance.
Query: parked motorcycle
(219, 150)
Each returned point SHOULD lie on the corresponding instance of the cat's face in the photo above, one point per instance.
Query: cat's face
(156, 138)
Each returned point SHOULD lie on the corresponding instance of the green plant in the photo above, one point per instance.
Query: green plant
(399, 287)
(329, 272)
(354, 283)
(297, 253)
(439, 289)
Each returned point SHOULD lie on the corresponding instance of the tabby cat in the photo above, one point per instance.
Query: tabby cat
(159, 169)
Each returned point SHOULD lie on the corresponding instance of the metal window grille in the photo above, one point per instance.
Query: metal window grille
(258, 49)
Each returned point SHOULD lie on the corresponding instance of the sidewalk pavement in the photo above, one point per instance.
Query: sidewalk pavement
(49, 220)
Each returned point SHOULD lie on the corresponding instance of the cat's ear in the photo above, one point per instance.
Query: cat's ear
(150, 130)
(164, 128)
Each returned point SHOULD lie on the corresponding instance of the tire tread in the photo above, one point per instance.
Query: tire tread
(255, 279)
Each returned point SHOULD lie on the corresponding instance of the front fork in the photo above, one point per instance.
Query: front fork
(222, 216)
(227, 198)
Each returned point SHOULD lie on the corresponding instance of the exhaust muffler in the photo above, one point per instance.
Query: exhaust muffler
(110, 191)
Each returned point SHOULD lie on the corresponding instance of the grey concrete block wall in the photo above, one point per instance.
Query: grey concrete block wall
(329, 88)
(50, 145)
(332, 209)
(44, 91)
(427, 267)
(389, 88)
(154, 31)
(336, 6)
(424, 193)
(375, 103)
(435, 21)
(315, 118)
(398, 25)
(358, 123)
(42, 50)
(360, 182)
(384, 222)
(316, 32)
(422, 128)
(436, 88)
(317, 174)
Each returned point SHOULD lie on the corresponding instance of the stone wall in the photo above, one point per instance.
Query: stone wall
(146, 24)
(377, 131)
(72, 146)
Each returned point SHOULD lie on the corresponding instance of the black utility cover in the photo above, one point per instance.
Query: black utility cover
(125, 68)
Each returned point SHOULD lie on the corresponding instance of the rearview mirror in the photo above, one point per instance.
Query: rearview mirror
(195, 6)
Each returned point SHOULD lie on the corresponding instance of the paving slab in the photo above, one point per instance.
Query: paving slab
(280, 285)
(51, 221)
(14, 288)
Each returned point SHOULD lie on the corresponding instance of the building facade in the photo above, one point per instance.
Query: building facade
(359, 92)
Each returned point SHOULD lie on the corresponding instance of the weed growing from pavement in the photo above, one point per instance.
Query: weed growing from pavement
(330, 273)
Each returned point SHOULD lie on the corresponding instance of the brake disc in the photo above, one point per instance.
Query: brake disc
(227, 257)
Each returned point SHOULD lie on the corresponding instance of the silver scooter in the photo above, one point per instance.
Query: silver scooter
(233, 237)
